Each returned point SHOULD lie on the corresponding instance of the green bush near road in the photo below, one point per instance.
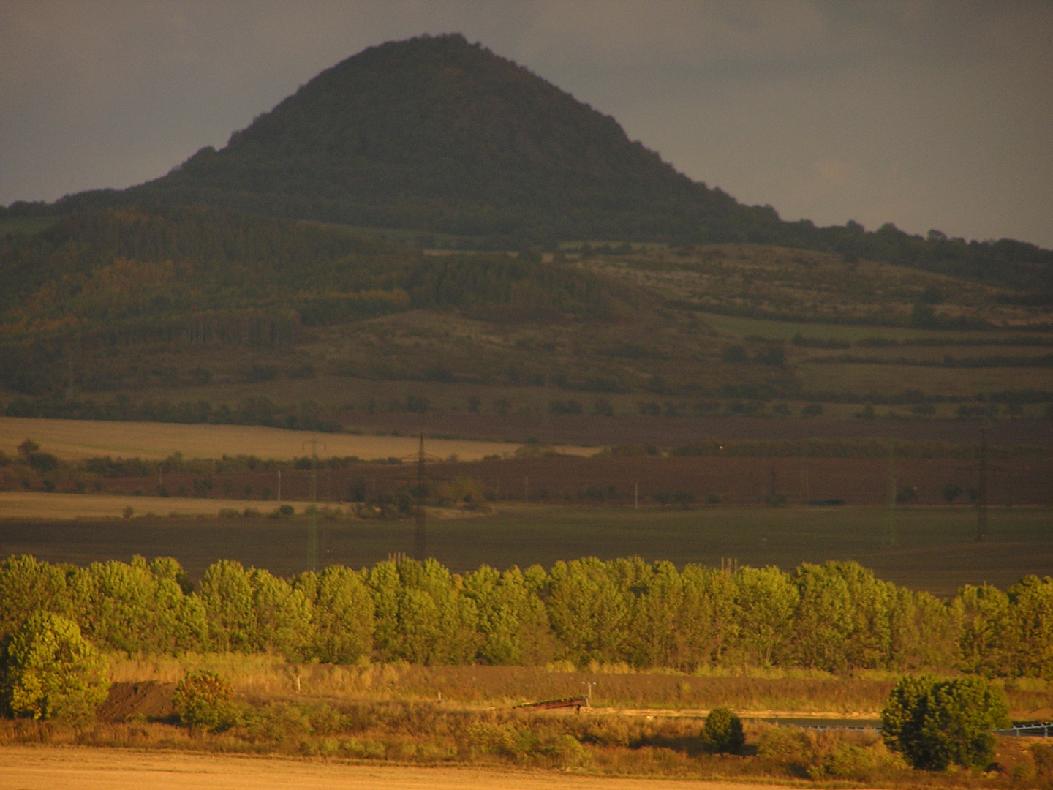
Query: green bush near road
(935, 723)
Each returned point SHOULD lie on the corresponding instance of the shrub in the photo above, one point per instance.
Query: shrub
(854, 761)
(936, 723)
(787, 748)
(49, 671)
(203, 700)
(722, 732)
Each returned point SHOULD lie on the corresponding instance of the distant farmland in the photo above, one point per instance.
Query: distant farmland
(73, 439)
(925, 548)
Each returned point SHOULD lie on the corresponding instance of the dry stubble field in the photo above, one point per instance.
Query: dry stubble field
(76, 439)
(47, 768)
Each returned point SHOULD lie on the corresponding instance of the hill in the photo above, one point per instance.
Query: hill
(438, 135)
(195, 315)
(428, 235)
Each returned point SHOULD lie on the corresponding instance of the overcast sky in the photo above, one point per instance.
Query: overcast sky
(925, 113)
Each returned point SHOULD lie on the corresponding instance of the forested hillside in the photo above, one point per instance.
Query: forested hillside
(195, 278)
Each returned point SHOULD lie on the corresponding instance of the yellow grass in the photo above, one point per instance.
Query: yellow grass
(80, 768)
(35, 504)
(73, 439)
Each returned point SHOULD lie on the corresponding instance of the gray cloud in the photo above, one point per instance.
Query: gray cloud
(925, 114)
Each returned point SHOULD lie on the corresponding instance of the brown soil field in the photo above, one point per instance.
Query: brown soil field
(75, 439)
(595, 430)
(924, 548)
(734, 480)
(78, 768)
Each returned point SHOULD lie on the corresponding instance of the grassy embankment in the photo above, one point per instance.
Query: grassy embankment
(643, 723)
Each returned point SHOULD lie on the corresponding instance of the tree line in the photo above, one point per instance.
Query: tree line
(835, 617)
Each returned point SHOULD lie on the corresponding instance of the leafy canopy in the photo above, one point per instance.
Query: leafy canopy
(938, 722)
(49, 671)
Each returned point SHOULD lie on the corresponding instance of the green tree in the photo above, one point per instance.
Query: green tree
(765, 601)
(422, 613)
(983, 631)
(656, 606)
(1030, 632)
(227, 595)
(28, 585)
(438, 623)
(343, 614)
(590, 615)
(281, 615)
(824, 617)
(923, 631)
(707, 623)
(938, 722)
(49, 671)
(384, 586)
(722, 732)
(512, 622)
(129, 607)
(843, 617)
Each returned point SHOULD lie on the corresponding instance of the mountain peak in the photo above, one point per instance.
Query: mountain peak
(438, 133)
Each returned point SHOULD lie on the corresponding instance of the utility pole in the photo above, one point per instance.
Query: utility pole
(890, 522)
(420, 538)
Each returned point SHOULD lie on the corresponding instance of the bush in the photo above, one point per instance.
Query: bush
(935, 723)
(856, 762)
(49, 671)
(722, 732)
(787, 748)
(203, 700)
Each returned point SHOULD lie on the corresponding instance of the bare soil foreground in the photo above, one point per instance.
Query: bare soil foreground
(46, 768)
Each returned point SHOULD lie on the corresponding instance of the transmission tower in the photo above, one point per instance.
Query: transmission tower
(312, 530)
(893, 495)
(981, 489)
(420, 532)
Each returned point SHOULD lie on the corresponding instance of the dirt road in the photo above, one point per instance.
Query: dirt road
(48, 768)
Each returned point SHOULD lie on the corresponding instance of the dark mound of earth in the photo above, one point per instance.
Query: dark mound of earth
(147, 700)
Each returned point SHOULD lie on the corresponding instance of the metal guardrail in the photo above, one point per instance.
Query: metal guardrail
(1040, 730)
(1036, 730)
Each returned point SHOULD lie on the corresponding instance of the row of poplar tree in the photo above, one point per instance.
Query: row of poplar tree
(837, 616)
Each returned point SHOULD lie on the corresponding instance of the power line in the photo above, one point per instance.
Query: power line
(312, 529)
(981, 489)
(420, 537)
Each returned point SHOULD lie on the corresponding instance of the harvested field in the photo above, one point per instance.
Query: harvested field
(77, 768)
(59, 507)
(74, 439)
